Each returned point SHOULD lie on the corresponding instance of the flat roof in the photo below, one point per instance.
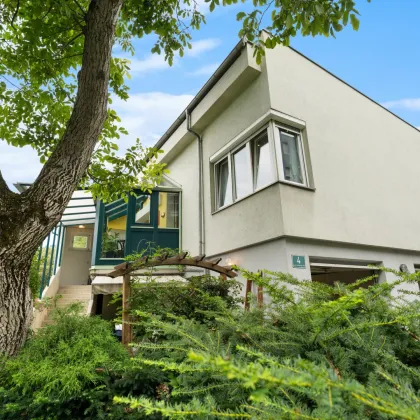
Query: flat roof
(81, 209)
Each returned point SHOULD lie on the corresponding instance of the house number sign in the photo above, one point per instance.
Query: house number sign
(298, 261)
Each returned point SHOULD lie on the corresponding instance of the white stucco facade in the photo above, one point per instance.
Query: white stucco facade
(360, 202)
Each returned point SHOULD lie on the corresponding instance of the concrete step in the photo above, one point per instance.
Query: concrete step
(75, 288)
(82, 296)
(61, 303)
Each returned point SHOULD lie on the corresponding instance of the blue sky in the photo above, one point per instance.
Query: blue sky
(382, 60)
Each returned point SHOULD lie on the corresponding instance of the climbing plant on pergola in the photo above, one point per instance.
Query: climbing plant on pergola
(128, 269)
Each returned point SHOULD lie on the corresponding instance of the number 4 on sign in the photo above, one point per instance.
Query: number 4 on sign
(298, 261)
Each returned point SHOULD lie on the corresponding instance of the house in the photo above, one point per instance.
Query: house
(279, 165)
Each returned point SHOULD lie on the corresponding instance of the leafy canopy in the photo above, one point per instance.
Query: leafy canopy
(42, 50)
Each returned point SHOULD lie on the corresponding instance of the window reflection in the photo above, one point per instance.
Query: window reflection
(224, 186)
(114, 229)
(243, 172)
(143, 209)
(168, 216)
(263, 173)
(292, 165)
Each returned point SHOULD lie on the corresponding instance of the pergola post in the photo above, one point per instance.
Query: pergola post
(127, 335)
(248, 290)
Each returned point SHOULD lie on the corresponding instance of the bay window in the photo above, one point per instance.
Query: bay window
(275, 153)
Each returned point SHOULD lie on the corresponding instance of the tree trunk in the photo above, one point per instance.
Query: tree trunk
(15, 305)
(27, 218)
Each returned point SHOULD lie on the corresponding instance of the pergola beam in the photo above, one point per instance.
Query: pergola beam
(181, 259)
(128, 269)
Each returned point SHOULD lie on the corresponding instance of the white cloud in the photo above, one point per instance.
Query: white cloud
(148, 115)
(149, 63)
(18, 164)
(205, 70)
(144, 115)
(153, 62)
(201, 46)
(412, 104)
(202, 6)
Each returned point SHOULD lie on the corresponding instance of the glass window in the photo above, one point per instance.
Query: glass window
(143, 209)
(223, 183)
(291, 156)
(168, 210)
(243, 172)
(263, 173)
(80, 241)
(114, 230)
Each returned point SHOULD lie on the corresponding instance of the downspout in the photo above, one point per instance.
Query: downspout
(201, 234)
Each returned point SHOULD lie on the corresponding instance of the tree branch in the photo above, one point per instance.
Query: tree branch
(80, 7)
(62, 172)
(4, 189)
(15, 15)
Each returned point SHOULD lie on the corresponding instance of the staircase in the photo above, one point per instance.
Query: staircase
(71, 294)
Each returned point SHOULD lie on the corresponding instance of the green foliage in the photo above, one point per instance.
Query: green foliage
(288, 18)
(314, 352)
(42, 50)
(54, 376)
(109, 242)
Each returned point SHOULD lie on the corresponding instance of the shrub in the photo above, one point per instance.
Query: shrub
(315, 352)
(55, 375)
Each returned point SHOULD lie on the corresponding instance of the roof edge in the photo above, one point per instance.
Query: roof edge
(352, 87)
(217, 75)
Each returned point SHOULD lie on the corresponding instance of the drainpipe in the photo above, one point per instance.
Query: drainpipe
(202, 248)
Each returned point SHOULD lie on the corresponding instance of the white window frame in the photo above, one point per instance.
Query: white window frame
(273, 166)
(272, 129)
(247, 147)
(88, 243)
(216, 182)
(279, 153)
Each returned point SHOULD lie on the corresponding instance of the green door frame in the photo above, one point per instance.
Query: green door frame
(132, 228)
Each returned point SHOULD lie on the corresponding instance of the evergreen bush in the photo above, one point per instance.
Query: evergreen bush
(55, 375)
(314, 352)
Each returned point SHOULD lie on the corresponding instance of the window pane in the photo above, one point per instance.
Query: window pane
(243, 173)
(292, 166)
(262, 162)
(114, 231)
(143, 209)
(168, 210)
(224, 185)
(80, 242)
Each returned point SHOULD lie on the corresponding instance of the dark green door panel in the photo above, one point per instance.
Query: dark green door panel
(143, 234)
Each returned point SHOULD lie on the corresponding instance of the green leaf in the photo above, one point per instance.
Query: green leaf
(240, 16)
(289, 21)
(354, 22)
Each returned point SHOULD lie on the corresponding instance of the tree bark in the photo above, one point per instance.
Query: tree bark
(27, 218)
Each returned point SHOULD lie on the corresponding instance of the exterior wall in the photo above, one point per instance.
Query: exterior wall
(363, 163)
(75, 263)
(276, 255)
(184, 170)
(229, 228)
(364, 160)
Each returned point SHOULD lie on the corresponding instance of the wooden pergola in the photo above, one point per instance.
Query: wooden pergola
(128, 269)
